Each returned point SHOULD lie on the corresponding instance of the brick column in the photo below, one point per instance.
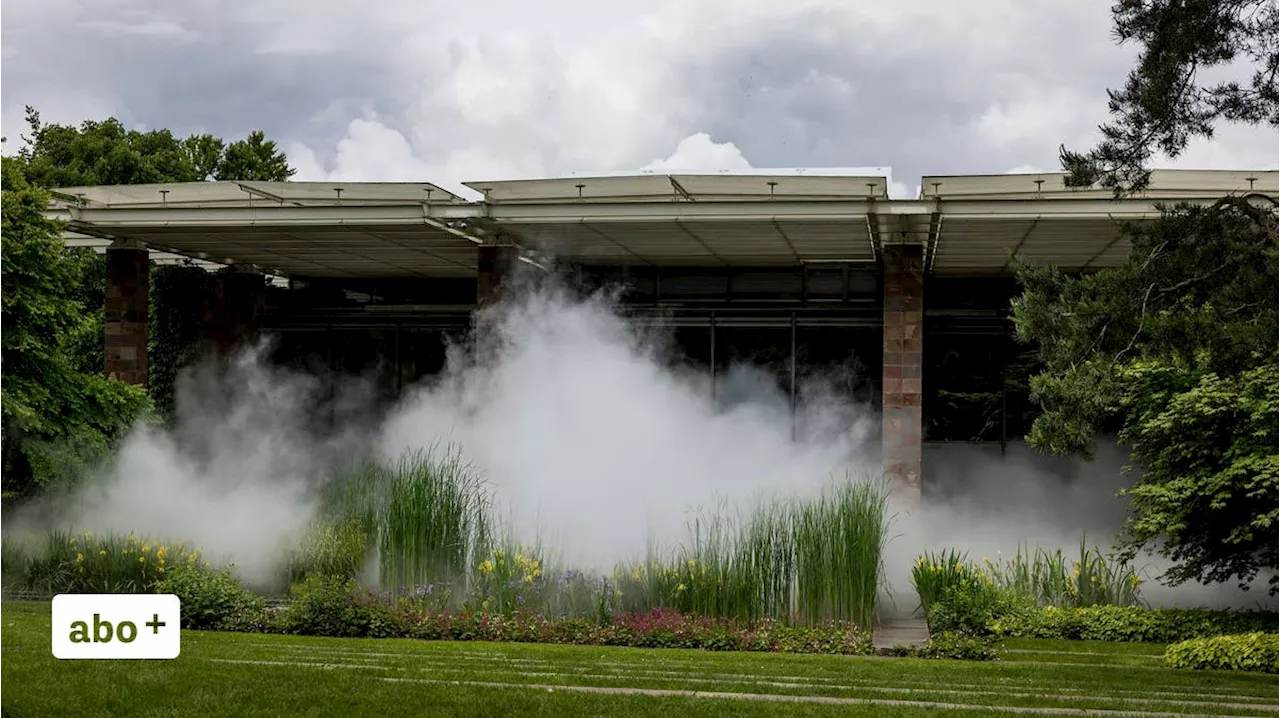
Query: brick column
(903, 334)
(126, 312)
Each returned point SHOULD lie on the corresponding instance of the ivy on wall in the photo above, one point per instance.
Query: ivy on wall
(180, 298)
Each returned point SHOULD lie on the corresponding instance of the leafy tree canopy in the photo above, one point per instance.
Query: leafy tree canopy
(1176, 353)
(1167, 100)
(105, 153)
(52, 411)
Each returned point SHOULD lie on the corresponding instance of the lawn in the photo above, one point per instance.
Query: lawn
(261, 675)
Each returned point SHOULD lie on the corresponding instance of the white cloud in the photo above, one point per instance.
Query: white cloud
(700, 153)
(415, 91)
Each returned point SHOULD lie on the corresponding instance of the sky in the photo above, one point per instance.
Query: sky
(417, 90)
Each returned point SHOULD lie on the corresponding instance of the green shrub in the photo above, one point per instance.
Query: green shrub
(1116, 623)
(951, 645)
(210, 598)
(972, 606)
(328, 606)
(1243, 652)
(335, 549)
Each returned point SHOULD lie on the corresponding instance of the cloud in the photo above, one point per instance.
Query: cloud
(699, 153)
(419, 91)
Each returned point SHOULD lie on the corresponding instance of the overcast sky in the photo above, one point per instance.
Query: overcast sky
(416, 90)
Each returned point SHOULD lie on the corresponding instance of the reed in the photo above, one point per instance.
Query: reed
(433, 525)
(806, 561)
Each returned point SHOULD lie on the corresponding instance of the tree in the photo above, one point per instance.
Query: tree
(1166, 100)
(1175, 352)
(253, 158)
(105, 153)
(46, 400)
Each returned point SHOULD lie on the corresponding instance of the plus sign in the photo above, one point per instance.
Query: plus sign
(155, 623)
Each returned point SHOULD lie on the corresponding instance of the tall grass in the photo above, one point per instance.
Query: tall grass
(425, 517)
(1052, 579)
(806, 561)
(13, 561)
(1043, 577)
(434, 522)
(839, 539)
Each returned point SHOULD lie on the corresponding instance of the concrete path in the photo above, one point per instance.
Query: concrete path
(900, 631)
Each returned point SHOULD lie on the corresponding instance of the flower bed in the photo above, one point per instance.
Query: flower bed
(329, 608)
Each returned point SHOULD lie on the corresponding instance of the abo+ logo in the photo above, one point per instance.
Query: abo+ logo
(116, 626)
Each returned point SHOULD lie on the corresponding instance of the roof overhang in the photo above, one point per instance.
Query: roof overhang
(967, 225)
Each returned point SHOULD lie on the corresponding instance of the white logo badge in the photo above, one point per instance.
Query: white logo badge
(87, 625)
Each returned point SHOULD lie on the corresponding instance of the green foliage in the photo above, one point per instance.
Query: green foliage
(936, 574)
(332, 607)
(1165, 102)
(253, 158)
(327, 606)
(976, 594)
(47, 400)
(13, 562)
(1244, 652)
(1050, 579)
(958, 646)
(509, 579)
(811, 560)
(180, 298)
(105, 153)
(434, 522)
(59, 562)
(971, 608)
(1119, 623)
(210, 597)
(332, 549)
(1176, 353)
(85, 347)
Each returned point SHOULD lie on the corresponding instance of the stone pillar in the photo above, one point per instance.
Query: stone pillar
(903, 335)
(126, 312)
(495, 266)
(239, 298)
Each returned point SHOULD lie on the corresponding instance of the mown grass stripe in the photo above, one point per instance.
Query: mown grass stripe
(501, 663)
(785, 698)
(931, 689)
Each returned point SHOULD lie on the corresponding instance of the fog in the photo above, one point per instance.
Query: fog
(594, 439)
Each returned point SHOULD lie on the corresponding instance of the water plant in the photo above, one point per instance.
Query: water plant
(1037, 575)
(798, 560)
(937, 573)
(61, 562)
(433, 523)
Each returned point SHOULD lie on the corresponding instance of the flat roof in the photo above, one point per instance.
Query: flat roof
(682, 188)
(967, 224)
(246, 194)
(1165, 184)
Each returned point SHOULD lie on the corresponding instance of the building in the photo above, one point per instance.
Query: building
(791, 270)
